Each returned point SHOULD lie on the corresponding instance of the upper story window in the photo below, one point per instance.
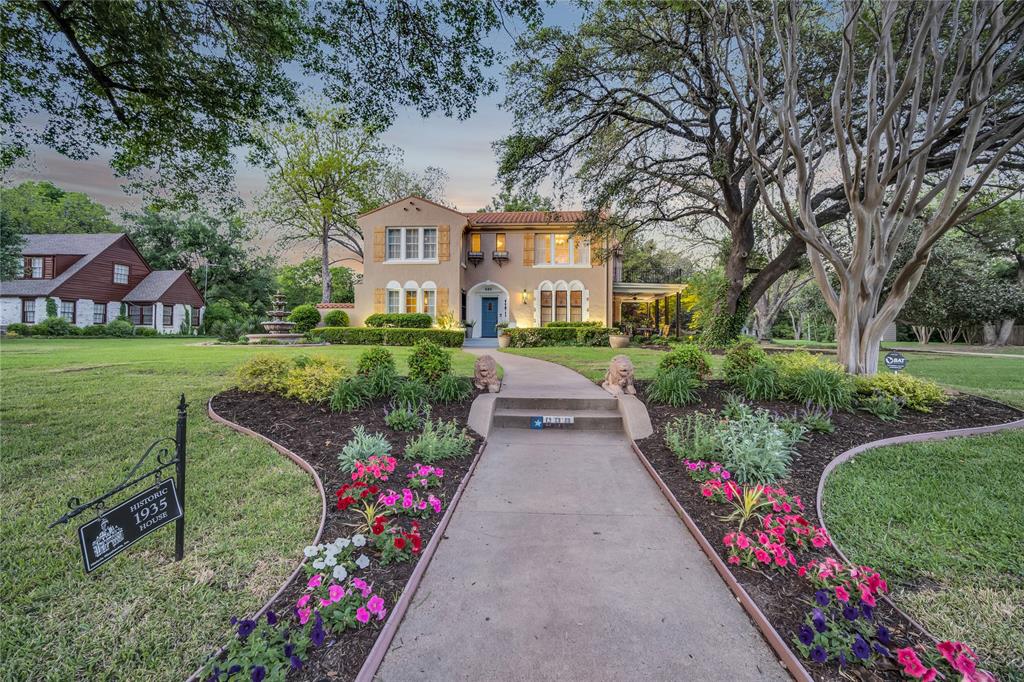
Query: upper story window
(474, 242)
(33, 268)
(411, 244)
(37, 268)
(499, 242)
(556, 248)
(121, 273)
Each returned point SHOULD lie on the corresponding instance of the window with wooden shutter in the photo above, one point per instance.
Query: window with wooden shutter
(378, 245)
(378, 300)
(528, 250)
(444, 243)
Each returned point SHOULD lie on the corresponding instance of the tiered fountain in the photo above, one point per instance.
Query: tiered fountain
(278, 328)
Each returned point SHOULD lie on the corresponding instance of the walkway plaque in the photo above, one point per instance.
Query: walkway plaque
(895, 361)
(117, 529)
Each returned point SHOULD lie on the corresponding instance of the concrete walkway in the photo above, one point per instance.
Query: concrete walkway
(564, 562)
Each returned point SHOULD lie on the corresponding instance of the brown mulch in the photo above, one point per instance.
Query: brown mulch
(317, 435)
(782, 595)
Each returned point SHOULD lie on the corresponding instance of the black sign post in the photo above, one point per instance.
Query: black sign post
(895, 361)
(118, 528)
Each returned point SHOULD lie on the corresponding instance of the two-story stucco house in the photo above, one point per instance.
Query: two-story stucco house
(92, 278)
(524, 268)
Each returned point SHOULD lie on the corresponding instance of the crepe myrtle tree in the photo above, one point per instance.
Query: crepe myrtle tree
(925, 105)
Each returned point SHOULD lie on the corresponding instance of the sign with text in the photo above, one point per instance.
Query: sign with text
(120, 527)
(548, 421)
(895, 361)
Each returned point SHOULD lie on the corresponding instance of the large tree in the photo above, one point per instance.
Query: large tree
(171, 87)
(510, 200)
(633, 111)
(300, 283)
(43, 208)
(926, 104)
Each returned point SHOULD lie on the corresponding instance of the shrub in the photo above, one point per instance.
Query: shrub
(689, 356)
(694, 436)
(813, 418)
(756, 449)
(565, 334)
(759, 382)
(405, 416)
(804, 377)
(676, 387)
(350, 394)
(263, 373)
(381, 382)
(564, 323)
(54, 326)
(741, 357)
(305, 317)
(336, 318)
(372, 358)
(882, 406)
(734, 407)
(369, 336)
(147, 331)
(411, 391)
(120, 328)
(451, 389)
(916, 394)
(401, 320)
(93, 330)
(362, 446)
(19, 328)
(228, 330)
(429, 362)
(314, 382)
(439, 440)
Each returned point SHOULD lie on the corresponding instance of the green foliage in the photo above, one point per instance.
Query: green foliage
(43, 208)
(525, 200)
(400, 320)
(733, 407)
(264, 373)
(564, 323)
(405, 416)
(361, 447)
(20, 329)
(303, 283)
(381, 381)
(693, 436)
(741, 356)
(428, 362)
(11, 242)
(759, 382)
(815, 419)
(230, 330)
(121, 328)
(886, 408)
(51, 307)
(689, 356)
(336, 318)
(263, 648)
(373, 358)
(451, 389)
(350, 394)
(677, 386)
(305, 317)
(411, 391)
(314, 382)
(439, 440)
(569, 334)
(369, 336)
(804, 377)
(916, 394)
(145, 331)
(54, 326)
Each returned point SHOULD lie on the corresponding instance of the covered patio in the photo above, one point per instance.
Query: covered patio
(665, 314)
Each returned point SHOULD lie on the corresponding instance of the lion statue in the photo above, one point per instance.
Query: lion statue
(619, 379)
(485, 374)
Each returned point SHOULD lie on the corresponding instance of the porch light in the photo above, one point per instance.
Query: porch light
(526, 297)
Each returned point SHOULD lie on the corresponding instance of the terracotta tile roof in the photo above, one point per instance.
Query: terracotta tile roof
(525, 217)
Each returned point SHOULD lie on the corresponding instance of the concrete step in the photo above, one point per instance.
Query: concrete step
(583, 419)
(609, 404)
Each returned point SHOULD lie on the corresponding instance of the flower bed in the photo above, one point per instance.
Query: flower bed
(382, 513)
(827, 612)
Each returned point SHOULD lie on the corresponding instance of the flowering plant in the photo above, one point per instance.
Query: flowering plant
(424, 476)
(376, 468)
(844, 579)
(701, 471)
(339, 605)
(717, 490)
(836, 630)
(956, 657)
(356, 490)
(335, 558)
(793, 530)
(411, 504)
(263, 649)
(396, 545)
(756, 551)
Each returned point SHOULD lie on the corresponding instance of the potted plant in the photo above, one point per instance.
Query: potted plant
(619, 339)
(469, 324)
(503, 338)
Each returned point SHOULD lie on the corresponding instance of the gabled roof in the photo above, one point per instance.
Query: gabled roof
(88, 246)
(153, 286)
(525, 217)
(410, 198)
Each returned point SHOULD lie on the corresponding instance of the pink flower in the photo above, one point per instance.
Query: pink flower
(375, 605)
(314, 581)
(742, 542)
(303, 600)
(324, 602)
(842, 594)
(707, 492)
(734, 560)
(726, 475)
(866, 596)
(335, 592)
(362, 615)
(762, 556)
(304, 615)
(819, 541)
(729, 539)
(361, 585)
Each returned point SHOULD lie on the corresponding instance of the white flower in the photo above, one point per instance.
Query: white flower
(310, 551)
(363, 561)
(341, 543)
(330, 560)
(339, 572)
(358, 540)
(318, 564)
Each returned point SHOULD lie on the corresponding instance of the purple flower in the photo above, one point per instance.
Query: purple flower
(317, 634)
(245, 628)
(234, 669)
(214, 675)
(288, 650)
(234, 620)
(842, 659)
(868, 611)
(822, 597)
(271, 618)
(806, 635)
(258, 673)
(883, 635)
(881, 650)
(818, 618)
(860, 648)
(851, 612)
(296, 662)
(818, 654)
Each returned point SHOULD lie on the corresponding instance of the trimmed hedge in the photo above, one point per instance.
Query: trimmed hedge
(532, 337)
(563, 323)
(386, 336)
(400, 320)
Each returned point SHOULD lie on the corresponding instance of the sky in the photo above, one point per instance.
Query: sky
(461, 148)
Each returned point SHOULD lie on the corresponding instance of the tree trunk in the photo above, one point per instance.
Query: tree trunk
(859, 334)
(1005, 329)
(923, 333)
(325, 268)
(796, 321)
(988, 334)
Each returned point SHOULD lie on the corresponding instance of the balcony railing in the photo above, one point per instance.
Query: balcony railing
(475, 257)
(653, 275)
(500, 257)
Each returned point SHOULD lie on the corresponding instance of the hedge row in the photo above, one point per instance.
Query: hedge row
(530, 337)
(386, 336)
(400, 320)
(563, 323)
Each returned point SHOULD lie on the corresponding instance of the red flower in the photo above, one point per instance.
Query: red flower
(399, 543)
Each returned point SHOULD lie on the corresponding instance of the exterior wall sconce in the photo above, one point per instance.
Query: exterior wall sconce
(526, 297)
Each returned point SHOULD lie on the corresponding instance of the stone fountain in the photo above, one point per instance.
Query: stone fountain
(278, 328)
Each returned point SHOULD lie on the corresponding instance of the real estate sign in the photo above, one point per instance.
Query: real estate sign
(895, 361)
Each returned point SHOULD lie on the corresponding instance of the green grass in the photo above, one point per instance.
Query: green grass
(955, 347)
(76, 414)
(947, 518)
(592, 362)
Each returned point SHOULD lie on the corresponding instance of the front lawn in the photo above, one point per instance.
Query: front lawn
(945, 521)
(592, 362)
(76, 415)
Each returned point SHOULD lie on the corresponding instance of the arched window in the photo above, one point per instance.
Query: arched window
(561, 301)
(546, 300)
(411, 298)
(430, 298)
(393, 301)
(576, 301)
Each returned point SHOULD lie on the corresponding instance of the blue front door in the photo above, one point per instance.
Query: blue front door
(489, 316)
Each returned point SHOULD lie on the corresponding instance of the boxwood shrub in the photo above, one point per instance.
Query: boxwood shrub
(689, 356)
(400, 320)
(564, 323)
(550, 335)
(386, 336)
(336, 318)
(305, 317)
